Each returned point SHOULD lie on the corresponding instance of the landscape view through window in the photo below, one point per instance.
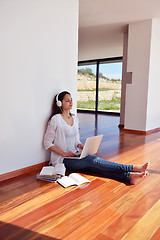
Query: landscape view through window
(109, 88)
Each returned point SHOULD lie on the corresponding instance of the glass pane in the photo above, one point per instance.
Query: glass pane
(86, 87)
(109, 94)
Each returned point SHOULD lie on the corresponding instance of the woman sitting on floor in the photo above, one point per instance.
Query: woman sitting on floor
(62, 138)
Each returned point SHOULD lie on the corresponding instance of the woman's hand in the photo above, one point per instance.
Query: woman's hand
(68, 154)
(80, 145)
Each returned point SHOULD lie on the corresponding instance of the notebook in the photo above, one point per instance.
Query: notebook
(90, 147)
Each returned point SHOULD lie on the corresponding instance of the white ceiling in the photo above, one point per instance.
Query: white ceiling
(115, 14)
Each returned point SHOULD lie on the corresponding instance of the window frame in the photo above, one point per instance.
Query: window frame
(97, 62)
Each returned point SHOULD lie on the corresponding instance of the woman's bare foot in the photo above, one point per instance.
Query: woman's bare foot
(141, 168)
(135, 176)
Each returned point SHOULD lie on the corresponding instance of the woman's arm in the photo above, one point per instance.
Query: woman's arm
(63, 154)
(78, 142)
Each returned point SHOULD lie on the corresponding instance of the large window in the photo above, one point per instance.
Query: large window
(99, 85)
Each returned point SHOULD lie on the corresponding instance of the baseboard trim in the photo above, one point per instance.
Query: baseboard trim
(141, 132)
(22, 171)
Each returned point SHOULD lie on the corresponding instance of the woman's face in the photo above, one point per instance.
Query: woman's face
(67, 102)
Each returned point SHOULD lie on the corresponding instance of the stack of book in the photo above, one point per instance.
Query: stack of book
(51, 174)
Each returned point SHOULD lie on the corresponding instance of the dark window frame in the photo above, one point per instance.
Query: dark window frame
(97, 62)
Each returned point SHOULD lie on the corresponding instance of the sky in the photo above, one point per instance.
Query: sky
(109, 70)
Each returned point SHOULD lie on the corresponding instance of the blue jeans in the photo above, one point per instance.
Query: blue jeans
(96, 164)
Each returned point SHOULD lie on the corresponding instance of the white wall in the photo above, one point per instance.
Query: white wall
(139, 42)
(153, 110)
(38, 58)
(97, 43)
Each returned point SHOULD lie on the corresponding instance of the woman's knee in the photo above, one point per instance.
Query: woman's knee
(91, 159)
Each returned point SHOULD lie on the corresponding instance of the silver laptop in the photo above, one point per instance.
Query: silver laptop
(90, 147)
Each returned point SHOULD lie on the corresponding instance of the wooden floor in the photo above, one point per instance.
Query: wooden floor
(102, 210)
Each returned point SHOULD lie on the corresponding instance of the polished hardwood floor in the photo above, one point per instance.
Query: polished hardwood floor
(101, 210)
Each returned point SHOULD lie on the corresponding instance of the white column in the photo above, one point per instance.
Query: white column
(153, 100)
(138, 62)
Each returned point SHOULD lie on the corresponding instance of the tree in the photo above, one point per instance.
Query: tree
(86, 71)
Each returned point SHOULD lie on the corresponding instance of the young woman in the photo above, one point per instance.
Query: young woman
(62, 138)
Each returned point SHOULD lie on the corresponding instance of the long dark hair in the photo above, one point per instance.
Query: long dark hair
(55, 109)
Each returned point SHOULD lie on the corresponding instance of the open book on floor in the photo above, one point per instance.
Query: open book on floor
(72, 179)
(51, 174)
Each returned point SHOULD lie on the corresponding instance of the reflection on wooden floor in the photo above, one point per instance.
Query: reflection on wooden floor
(103, 209)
